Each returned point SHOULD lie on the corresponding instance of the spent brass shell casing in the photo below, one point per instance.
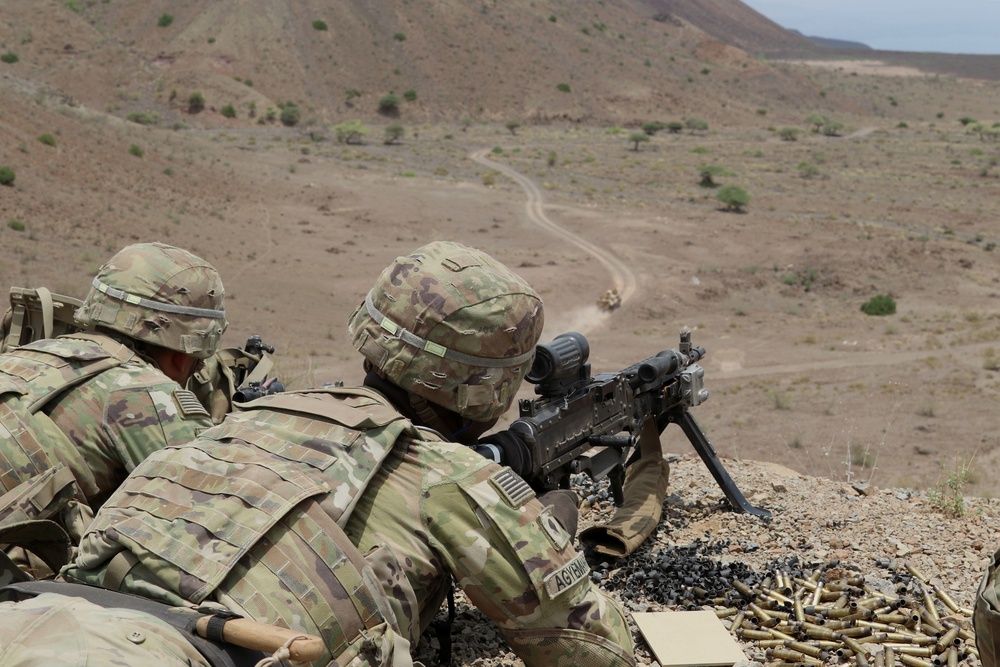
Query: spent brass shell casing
(953, 657)
(743, 589)
(817, 595)
(805, 583)
(874, 625)
(909, 649)
(891, 618)
(965, 611)
(726, 613)
(756, 610)
(778, 634)
(929, 605)
(855, 632)
(808, 649)
(754, 634)
(873, 639)
(950, 638)
(862, 660)
(966, 635)
(737, 622)
(890, 656)
(913, 661)
(770, 643)
(800, 614)
(931, 621)
(946, 599)
(793, 656)
(912, 569)
(819, 632)
(879, 660)
(853, 645)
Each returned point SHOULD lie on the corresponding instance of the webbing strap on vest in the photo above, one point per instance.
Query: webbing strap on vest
(217, 655)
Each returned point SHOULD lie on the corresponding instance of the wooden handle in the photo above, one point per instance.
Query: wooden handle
(267, 638)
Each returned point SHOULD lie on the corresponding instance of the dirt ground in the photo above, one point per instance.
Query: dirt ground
(300, 226)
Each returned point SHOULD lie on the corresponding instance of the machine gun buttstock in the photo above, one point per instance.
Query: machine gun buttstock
(699, 441)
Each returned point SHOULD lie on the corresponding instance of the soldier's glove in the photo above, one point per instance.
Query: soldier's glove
(506, 449)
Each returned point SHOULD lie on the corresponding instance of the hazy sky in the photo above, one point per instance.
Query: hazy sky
(948, 26)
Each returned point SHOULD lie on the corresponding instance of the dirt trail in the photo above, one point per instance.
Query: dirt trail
(622, 277)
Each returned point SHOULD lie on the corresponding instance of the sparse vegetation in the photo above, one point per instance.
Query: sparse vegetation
(512, 126)
(789, 134)
(16, 225)
(388, 104)
(637, 138)
(350, 132)
(707, 174)
(563, 87)
(290, 114)
(399, 37)
(734, 197)
(393, 133)
(141, 118)
(675, 127)
(7, 176)
(653, 127)
(410, 95)
(47, 139)
(229, 111)
(948, 495)
(165, 20)
(10, 57)
(320, 24)
(196, 103)
(696, 125)
(136, 150)
(879, 305)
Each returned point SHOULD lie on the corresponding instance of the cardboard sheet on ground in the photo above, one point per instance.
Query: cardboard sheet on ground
(688, 638)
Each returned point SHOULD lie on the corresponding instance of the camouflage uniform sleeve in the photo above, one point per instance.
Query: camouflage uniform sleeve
(520, 567)
(142, 420)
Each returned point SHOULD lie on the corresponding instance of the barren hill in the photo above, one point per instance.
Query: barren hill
(617, 61)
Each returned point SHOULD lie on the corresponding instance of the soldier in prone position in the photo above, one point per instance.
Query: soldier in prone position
(79, 411)
(346, 512)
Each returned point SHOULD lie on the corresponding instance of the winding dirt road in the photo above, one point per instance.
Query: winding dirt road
(622, 277)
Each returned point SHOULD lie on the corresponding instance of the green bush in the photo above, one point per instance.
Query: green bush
(47, 139)
(320, 25)
(165, 20)
(707, 174)
(653, 127)
(7, 176)
(136, 150)
(696, 125)
(196, 103)
(399, 37)
(393, 133)
(290, 115)
(73, 6)
(563, 87)
(388, 103)
(350, 132)
(141, 118)
(880, 304)
(675, 127)
(637, 138)
(410, 95)
(512, 126)
(229, 111)
(789, 134)
(10, 58)
(16, 225)
(734, 197)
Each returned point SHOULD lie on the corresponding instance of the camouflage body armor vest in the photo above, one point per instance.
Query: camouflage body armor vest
(266, 495)
(40, 496)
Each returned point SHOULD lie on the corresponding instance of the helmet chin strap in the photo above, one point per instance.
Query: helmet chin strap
(428, 415)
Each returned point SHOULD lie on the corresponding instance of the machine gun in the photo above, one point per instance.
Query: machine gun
(589, 424)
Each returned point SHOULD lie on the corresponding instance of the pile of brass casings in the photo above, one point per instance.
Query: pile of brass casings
(813, 621)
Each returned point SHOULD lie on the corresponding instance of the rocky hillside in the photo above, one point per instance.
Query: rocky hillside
(615, 61)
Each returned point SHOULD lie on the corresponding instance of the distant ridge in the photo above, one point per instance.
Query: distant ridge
(831, 43)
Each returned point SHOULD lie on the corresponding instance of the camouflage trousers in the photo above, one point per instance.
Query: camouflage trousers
(987, 615)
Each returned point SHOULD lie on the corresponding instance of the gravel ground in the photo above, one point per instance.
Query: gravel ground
(700, 547)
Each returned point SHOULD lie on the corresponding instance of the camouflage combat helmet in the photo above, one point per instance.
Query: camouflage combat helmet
(452, 325)
(160, 295)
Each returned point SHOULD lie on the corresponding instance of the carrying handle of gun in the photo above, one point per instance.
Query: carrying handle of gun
(700, 442)
(260, 637)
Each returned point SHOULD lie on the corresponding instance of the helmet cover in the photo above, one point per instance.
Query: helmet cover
(160, 295)
(453, 325)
